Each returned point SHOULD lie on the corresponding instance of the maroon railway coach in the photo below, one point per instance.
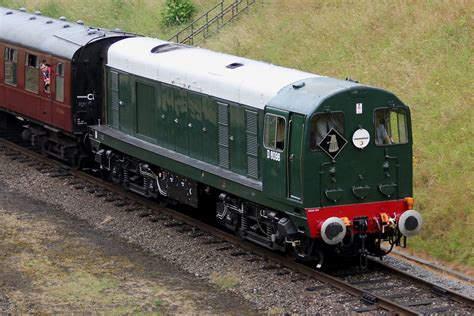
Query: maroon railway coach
(51, 78)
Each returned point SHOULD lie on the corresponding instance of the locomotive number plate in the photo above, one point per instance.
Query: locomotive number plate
(273, 155)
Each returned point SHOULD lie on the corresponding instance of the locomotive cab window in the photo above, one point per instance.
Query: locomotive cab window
(10, 66)
(322, 123)
(274, 132)
(391, 127)
(31, 73)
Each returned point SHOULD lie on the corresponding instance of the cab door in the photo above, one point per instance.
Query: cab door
(295, 157)
(274, 153)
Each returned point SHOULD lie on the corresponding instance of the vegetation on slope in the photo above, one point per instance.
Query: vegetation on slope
(420, 50)
(136, 16)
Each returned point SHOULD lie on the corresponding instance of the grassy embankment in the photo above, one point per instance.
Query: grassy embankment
(420, 50)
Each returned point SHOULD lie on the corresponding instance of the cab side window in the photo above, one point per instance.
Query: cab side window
(322, 123)
(274, 132)
(391, 127)
(31, 73)
(11, 59)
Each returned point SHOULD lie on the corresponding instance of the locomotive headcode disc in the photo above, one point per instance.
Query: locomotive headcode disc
(361, 138)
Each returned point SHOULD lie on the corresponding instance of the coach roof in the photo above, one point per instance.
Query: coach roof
(227, 77)
(55, 37)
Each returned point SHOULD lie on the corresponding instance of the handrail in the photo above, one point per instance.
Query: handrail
(211, 23)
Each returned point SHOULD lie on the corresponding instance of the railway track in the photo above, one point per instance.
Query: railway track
(379, 289)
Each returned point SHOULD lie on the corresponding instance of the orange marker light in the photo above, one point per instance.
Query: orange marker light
(346, 221)
(384, 217)
(410, 201)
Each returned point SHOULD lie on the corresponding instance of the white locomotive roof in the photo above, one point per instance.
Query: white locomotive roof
(202, 70)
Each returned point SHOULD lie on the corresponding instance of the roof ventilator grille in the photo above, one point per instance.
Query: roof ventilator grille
(168, 47)
(234, 65)
(298, 85)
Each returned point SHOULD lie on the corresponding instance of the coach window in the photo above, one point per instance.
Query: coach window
(60, 82)
(391, 127)
(322, 123)
(274, 132)
(31, 73)
(11, 57)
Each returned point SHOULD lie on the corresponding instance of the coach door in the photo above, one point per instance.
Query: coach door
(45, 88)
(295, 157)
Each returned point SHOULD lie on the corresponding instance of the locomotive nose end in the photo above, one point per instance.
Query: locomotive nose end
(410, 223)
(333, 230)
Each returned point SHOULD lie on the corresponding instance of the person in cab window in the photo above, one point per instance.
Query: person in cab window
(382, 137)
(46, 71)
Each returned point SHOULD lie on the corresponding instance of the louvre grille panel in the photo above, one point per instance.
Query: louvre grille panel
(223, 136)
(115, 100)
(114, 120)
(223, 114)
(223, 129)
(252, 167)
(252, 144)
(251, 122)
(115, 82)
(223, 157)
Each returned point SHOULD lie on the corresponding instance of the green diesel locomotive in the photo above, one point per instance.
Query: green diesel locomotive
(291, 160)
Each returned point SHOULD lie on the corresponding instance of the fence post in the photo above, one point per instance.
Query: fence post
(207, 25)
(222, 13)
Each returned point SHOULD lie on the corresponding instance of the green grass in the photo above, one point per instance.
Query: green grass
(420, 50)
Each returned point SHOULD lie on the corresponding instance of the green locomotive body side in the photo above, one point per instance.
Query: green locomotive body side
(187, 124)
(287, 158)
(163, 104)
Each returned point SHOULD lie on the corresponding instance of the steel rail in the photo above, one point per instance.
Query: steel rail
(378, 301)
(455, 296)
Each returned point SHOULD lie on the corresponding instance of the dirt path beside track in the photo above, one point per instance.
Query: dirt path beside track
(51, 262)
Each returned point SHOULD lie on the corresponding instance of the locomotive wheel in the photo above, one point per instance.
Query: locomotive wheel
(116, 174)
(26, 135)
